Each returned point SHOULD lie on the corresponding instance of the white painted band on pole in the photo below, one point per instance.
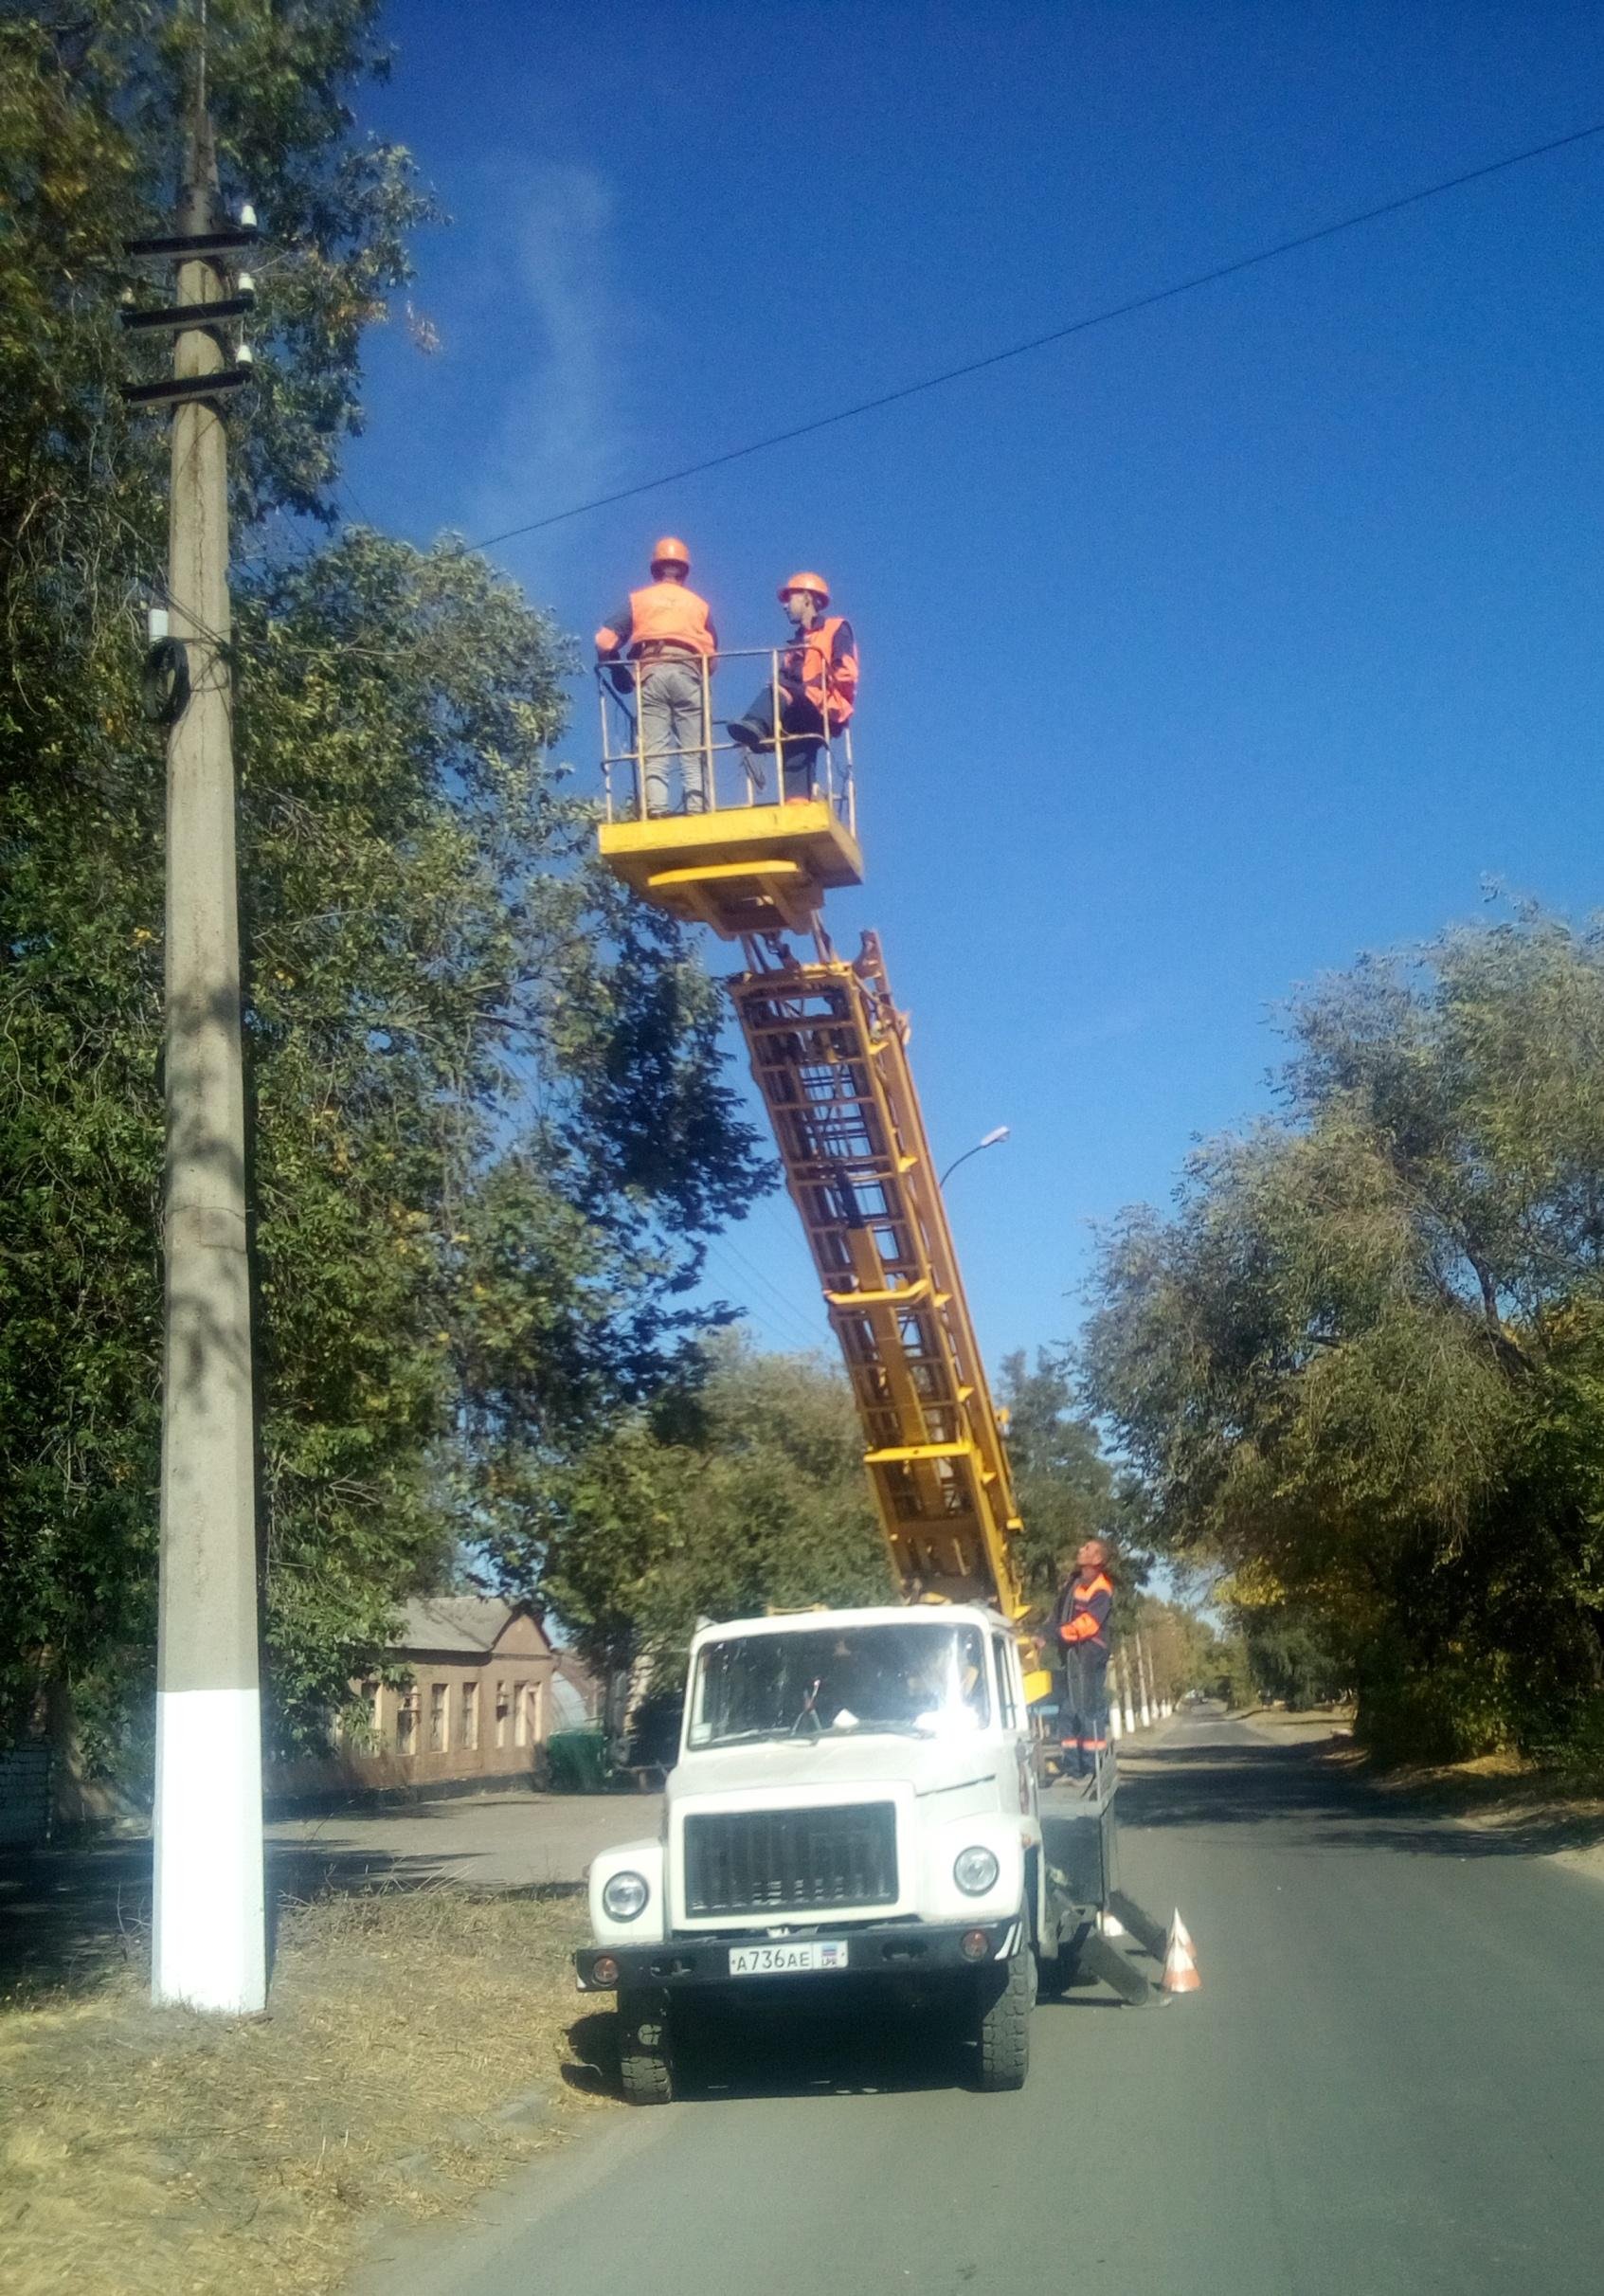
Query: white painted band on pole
(208, 1950)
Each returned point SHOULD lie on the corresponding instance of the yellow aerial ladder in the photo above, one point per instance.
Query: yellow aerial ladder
(829, 1053)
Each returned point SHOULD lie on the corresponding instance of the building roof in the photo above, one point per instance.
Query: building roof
(454, 1622)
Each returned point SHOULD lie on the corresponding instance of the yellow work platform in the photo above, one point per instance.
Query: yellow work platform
(743, 868)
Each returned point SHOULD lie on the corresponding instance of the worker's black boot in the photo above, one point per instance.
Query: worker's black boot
(743, 731)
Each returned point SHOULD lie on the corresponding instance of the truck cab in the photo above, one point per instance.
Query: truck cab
(855, 1799)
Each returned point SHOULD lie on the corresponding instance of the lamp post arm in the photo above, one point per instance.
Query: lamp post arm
(993, 1139)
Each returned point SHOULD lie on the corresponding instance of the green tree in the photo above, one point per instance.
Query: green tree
(1065, 1486)
(491, 1125)
(1222, 1669)
(86, 159)
(1365, 1356)
(1292, 1651)
(742, 1491)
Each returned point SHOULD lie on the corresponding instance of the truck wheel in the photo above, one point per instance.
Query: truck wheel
(1002, 2024)
(645, 2057)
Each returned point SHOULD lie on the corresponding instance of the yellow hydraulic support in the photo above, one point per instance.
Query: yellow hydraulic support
(829, 1053)
(741, 870)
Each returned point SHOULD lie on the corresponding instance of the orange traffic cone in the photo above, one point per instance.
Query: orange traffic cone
(1180, 1965)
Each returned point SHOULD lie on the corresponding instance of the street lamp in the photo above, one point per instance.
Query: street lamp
(991, 1140)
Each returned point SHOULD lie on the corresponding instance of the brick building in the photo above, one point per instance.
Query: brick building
(487, 1689)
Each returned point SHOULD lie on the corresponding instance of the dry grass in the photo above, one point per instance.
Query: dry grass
(1336, 1719)
(1498, 1788)
(145, 2150)
(1531, 1811)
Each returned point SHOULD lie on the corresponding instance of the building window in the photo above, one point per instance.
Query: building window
(502, 1711)
(469, 1717)
(440, 1718)
(536, 1713)
(406, 1719)
(520, 1713)
(375, 1691)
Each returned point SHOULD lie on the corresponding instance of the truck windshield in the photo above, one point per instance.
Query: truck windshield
(919, 1679)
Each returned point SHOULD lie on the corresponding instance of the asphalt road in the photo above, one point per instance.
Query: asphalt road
(491, 1841)
(1390, 2081)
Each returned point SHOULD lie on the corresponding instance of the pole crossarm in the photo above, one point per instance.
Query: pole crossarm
(171, 315)
(185, 390)
(179, 244)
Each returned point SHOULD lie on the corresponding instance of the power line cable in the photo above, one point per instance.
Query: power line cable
(791, 1319)
(352, 496)
(723, 1249)
(952, 374)
(1054, 334)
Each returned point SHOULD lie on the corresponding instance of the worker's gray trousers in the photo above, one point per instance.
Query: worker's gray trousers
(1083, 1716)
(801, 733)
(673, 736)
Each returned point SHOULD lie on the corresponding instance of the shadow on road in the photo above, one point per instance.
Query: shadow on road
(1316, 1805)
(862, 2046)
(70, 1916)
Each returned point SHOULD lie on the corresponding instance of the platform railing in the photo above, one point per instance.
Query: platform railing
(714, 773)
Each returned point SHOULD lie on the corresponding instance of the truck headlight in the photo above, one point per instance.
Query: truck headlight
(623, 1896)
(974, 1870)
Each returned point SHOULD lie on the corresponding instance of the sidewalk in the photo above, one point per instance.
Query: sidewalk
(64, 1912)
(494, 1841)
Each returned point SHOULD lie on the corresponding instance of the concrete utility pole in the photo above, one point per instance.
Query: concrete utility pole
(211, 1929)
(1129, 1701)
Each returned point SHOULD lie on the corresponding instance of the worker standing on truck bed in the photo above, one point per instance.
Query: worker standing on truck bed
(1081, 1624)
(667, 630)
(817, 686)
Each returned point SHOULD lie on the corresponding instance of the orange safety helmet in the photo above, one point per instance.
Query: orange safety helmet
(669, 551)
(815, 584)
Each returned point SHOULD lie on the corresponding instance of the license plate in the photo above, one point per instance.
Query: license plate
(783, 1959)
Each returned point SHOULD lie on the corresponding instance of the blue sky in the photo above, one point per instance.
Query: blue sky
(1201, 652)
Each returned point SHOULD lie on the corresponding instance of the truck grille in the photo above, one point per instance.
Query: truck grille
(752, 1861)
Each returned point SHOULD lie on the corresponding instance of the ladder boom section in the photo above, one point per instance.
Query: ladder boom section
(829, 1052)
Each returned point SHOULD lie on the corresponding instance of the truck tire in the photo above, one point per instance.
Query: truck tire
(1002, 2019)
(645, 2056)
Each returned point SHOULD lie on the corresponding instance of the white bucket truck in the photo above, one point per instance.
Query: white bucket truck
(855, 1799)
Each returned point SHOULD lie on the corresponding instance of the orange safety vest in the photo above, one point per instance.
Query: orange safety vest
(667, 614)
(1083, 1623)
(831, 686)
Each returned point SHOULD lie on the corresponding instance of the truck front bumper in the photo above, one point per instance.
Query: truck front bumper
(905, 1949)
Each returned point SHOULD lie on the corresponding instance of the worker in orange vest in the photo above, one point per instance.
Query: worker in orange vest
(1081, 1628)
(817, 687)
(667, 631)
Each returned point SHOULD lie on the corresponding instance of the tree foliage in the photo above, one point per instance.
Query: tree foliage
(489, 1124)
(742, 1491)
(1282, 1648)
(1066, 1487)
(460, 1040)
(1365, 1356)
